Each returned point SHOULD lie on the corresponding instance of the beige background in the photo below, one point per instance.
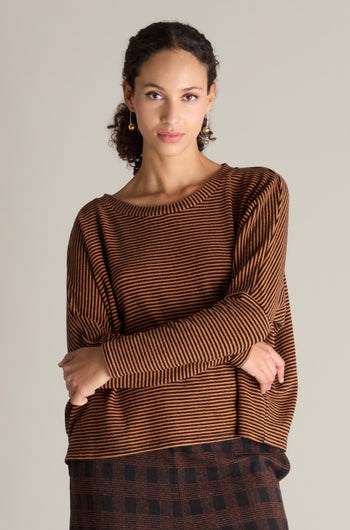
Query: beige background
(283, 102)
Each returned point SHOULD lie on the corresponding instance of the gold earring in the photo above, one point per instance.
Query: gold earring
(131, 125)
(206, 128)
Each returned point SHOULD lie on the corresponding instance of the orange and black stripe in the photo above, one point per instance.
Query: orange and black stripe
(177, 294)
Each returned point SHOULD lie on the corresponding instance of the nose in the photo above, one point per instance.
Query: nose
(170, 113)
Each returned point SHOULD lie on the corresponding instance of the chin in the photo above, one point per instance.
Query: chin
(172, 149)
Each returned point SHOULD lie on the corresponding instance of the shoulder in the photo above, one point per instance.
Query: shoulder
(257, 177)
(88, 220)
(250, 183)
(255, 192)
(90, 211)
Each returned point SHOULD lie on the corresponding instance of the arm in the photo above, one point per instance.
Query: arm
(244, 317)
(90, 323)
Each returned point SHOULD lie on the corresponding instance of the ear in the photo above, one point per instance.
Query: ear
(211, 96)
(128, 96)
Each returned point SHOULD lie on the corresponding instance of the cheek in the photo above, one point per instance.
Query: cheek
(198, 110)
(146, 113)
(197, 116)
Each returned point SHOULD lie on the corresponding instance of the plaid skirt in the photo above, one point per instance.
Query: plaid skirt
(227, 485)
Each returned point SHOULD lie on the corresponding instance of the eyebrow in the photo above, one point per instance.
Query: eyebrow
(153, 85)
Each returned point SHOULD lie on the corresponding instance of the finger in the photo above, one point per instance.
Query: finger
(260, 373)
(279, 367)
(263, 380)
(66, 359)
(280, 372)
(270, 369)
(78, 400)
(71, 387)
(61, 363)
(277, 361)
(79, 403)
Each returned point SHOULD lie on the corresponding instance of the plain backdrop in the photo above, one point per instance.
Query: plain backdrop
(283, 102)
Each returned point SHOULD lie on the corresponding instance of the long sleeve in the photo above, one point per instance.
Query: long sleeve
(87, 316)
(177, 295)
(253, 305)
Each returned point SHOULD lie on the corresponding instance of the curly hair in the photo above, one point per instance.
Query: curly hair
(148, 41)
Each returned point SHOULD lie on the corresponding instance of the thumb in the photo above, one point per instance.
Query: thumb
(66, 359)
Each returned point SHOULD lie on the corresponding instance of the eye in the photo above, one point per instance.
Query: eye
(154, 95)
(190, 97)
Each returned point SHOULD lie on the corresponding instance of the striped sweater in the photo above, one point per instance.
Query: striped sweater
(177, 294)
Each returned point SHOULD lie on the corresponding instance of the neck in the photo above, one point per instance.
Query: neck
(168, 175)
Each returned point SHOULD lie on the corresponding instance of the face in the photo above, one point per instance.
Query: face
(170, 100)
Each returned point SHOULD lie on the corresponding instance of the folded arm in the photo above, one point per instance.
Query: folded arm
(226, 331)
(230, 327)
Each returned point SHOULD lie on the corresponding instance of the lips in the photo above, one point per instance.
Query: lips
(170, 136)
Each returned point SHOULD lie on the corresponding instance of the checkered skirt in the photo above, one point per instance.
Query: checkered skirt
(227, 485)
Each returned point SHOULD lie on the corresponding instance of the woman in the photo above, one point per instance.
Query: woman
(181, 364)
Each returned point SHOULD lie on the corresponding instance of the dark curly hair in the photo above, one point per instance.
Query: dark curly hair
(148, 41)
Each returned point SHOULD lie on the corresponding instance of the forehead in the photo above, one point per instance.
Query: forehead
(173, 66)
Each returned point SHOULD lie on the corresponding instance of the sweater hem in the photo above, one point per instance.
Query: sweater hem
(89, 455)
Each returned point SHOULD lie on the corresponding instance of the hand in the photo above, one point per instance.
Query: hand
(84, 371)
(264, 363)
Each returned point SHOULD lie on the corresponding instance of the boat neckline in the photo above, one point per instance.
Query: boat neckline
(186, 202)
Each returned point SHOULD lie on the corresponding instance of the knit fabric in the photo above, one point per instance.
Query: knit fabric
(177, 294)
